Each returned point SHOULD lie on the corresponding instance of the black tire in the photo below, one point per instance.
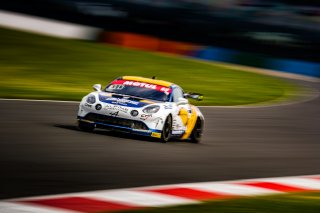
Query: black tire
(196, 133)
(85, 126)
(167, 129)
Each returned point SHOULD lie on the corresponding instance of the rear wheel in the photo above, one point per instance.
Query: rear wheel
(85, 126)
(166, 131)
(196, 134)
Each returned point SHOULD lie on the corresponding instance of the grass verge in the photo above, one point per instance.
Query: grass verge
(286, 203)
(40, 67)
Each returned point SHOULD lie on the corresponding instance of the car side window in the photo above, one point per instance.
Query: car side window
(177, 93)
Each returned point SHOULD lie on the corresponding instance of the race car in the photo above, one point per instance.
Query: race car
(142, 106)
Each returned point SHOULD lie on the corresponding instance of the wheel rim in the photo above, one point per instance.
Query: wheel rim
(167, 129)
(197, 131)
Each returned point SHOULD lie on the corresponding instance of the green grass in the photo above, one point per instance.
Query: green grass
(40, 67)
(288, 203)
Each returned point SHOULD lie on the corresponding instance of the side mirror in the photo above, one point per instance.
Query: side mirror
(182, 101)
(97, 87)
(195, 96)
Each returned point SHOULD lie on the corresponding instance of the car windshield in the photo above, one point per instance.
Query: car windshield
(140, 89)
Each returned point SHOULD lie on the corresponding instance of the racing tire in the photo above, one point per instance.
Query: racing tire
(167, 129)
(85, 126)
(196, 133)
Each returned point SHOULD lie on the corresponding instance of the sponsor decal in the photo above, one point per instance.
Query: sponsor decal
(156, 135)
(168, 106)
(126, 102)
(159, 120)
(177, 132)
(117, 108)
(98, 107)
(145, 116)
(122, 101)
(140, 84)
(116, 86)
(163, 89)
(134, 113)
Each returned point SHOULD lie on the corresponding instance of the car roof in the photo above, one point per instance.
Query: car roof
(147, 80)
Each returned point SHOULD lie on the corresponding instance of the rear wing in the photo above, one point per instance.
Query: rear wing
(195, 96)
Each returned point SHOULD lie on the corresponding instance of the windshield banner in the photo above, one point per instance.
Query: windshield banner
(163, 89)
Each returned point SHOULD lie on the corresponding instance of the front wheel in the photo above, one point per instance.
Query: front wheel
(85, 126)
(196, 134)
(166, 131)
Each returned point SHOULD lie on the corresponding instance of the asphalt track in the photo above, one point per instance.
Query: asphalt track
(42, 152)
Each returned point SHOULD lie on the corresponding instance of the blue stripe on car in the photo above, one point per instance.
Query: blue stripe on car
(122, 101)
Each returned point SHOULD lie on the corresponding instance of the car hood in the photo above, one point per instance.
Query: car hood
(124, 100)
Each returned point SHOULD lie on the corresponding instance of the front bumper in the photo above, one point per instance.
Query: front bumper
(120, 124)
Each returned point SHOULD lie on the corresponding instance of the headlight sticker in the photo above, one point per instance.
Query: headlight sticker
(151, 109)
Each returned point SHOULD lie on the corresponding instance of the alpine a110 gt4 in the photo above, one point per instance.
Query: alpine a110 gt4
(142, 106)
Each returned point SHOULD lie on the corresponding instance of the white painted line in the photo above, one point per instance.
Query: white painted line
(11, 207)
(139, 198)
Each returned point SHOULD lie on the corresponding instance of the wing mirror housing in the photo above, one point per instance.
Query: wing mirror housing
(182, 101)
(97, 87)
(195, 96)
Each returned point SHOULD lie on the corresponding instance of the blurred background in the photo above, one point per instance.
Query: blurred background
(277, 28)
(279, 35)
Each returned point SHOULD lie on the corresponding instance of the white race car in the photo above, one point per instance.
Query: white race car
(142, 106)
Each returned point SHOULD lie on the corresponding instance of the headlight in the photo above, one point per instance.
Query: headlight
(91, 99)
(151, 109)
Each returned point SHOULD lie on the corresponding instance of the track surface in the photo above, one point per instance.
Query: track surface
(42, 152)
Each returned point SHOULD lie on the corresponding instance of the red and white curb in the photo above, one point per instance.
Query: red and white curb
(158, 196)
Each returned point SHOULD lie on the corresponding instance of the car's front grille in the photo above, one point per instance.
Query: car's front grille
(109, 120)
